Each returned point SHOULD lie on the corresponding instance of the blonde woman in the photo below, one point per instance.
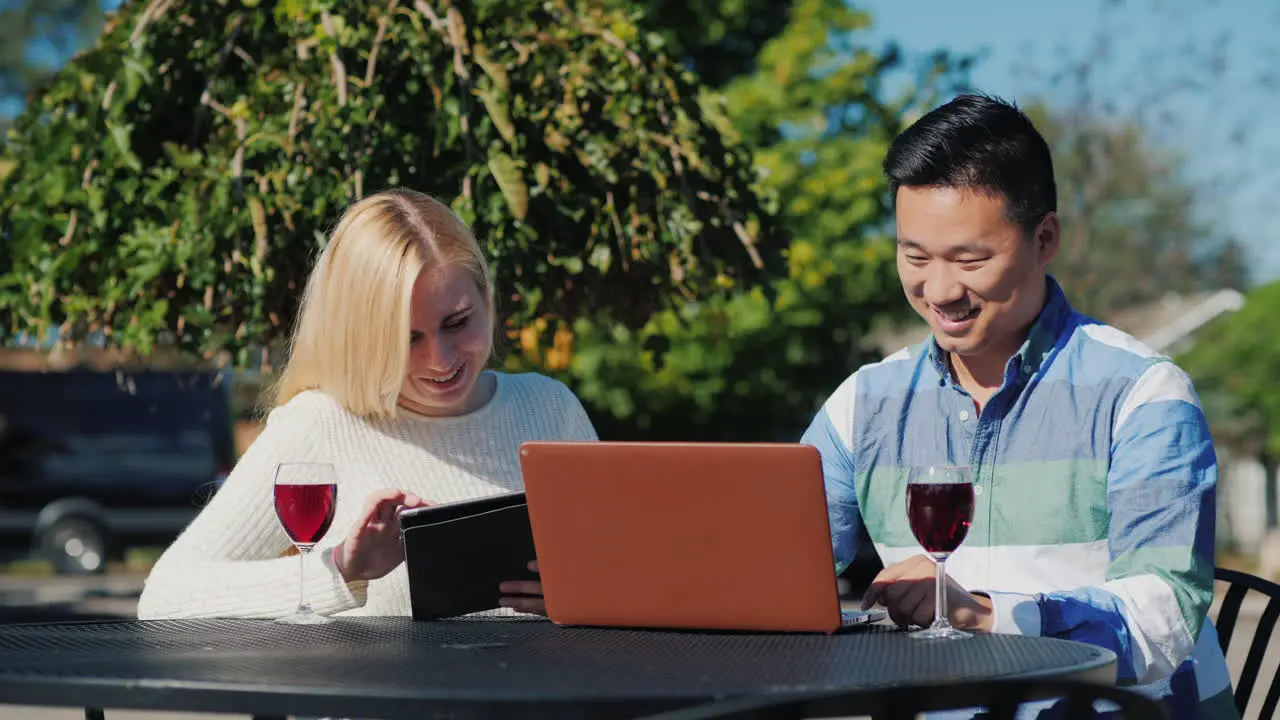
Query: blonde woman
(386, 381)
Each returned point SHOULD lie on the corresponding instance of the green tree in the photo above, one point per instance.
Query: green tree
(211, 224)
(1233, 363)
(1142, 221)
(172, 182)
(718, 39)
(1128, 209)
(756, 364)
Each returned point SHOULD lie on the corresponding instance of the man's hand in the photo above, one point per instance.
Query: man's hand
(523, 595)
(906, 590)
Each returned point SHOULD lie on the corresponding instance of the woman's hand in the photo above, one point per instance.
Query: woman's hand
(374, 547)
(523, 595)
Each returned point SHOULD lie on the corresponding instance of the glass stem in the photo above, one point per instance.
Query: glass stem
(940, 596)
(304, 607)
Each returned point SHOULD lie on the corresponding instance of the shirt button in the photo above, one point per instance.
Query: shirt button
(964, 415)
(977, 489)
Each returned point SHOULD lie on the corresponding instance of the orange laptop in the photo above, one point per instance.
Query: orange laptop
(728, 536)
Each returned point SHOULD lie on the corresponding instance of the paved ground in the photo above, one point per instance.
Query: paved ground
(45, 600)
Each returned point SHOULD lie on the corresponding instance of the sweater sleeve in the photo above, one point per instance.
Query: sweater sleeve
(1160, 498)
(831, 432)
(231, 560)
(578, 424)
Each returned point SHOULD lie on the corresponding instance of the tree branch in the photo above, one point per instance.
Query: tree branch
(436, 23)
(88, 173)
(65, 240)
(617, 42)
(242, 132)
(299, 97)
(617, 227)
(227, 46)
(240, 53)
(377, 42)
(153, 11)
(750, 244)
(339, 68)
(458, 37)
(454, 31)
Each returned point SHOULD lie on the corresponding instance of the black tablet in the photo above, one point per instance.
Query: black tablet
(457, 554)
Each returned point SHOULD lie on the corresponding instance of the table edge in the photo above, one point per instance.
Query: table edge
(202, 696)
(185, 695)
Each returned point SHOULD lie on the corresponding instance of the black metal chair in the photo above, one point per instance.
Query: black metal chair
(1238, 586)
(1073, 700)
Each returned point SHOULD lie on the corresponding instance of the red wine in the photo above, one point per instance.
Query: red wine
(940, 514)
(306, 511)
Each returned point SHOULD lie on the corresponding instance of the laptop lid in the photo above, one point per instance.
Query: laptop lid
(682, 535)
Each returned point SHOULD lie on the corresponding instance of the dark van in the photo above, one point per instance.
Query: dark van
(93, 462)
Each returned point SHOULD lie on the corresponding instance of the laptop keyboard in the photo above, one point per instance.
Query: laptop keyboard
(860, 617)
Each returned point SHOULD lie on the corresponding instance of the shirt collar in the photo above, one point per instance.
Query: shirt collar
(1038, 346)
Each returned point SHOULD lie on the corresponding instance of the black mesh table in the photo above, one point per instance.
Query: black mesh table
(495, 668)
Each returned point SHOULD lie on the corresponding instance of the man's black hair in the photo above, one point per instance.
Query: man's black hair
(981, 143)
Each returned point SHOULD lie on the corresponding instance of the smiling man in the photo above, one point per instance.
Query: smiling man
(1094, 472)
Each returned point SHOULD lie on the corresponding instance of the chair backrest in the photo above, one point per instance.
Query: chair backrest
(1239, 584)
(1072, 700)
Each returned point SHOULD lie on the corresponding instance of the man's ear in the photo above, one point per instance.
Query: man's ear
(1048, 236)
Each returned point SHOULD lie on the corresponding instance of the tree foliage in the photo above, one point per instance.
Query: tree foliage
(203, 150)
(175, 179)
(1127, 208)
(1233, 363)
(717, 39)
(1122, 99)
(815, 107)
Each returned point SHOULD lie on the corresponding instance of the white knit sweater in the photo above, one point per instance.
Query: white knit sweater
(230, 561)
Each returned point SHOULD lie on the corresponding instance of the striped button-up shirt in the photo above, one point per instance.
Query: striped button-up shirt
(1094, 479)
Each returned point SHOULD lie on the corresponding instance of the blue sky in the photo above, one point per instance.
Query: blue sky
(1024, 41)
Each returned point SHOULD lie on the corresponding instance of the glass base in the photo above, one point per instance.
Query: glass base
(939, 632)
(304, 618)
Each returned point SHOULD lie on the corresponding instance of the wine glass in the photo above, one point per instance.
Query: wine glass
(305, 496)
(939, 510)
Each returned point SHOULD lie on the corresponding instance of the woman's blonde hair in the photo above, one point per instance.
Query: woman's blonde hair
(351, 339)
